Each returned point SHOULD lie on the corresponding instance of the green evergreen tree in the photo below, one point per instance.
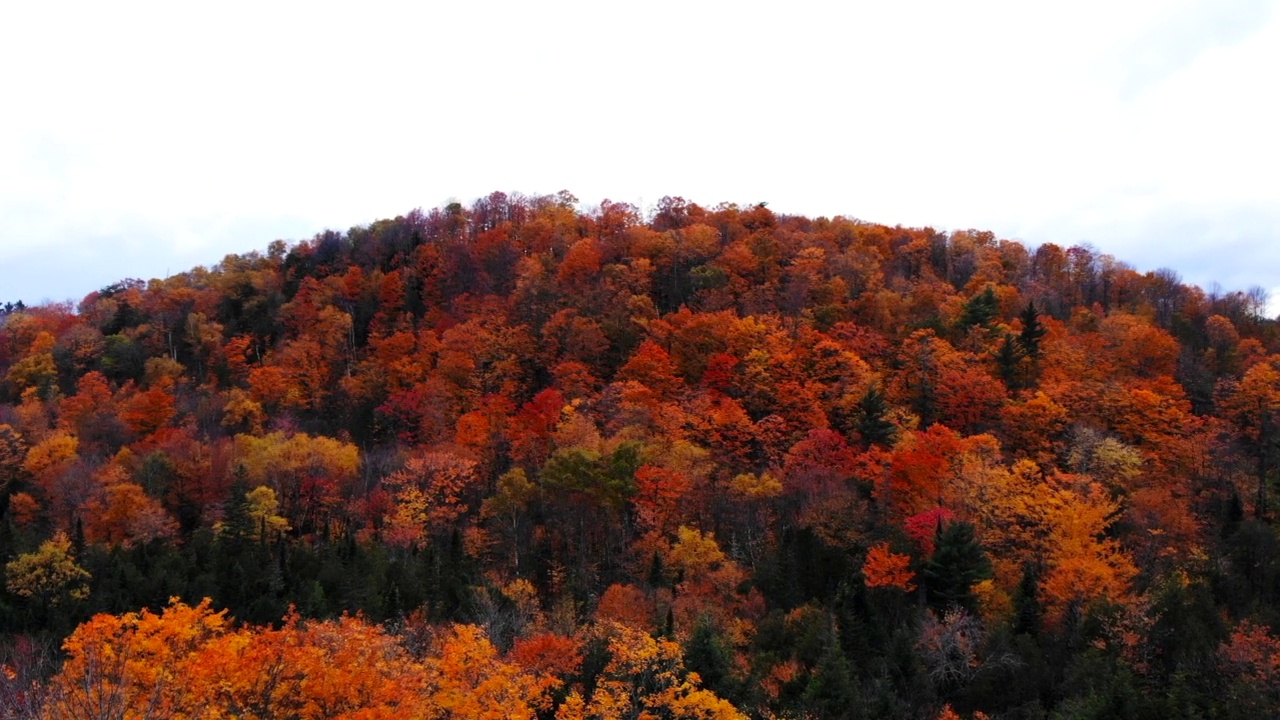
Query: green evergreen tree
(1027, 611)
(1009, 361)
(957, 564)
(872, 419)
(831, 692)
(707, 654)
(1033, 331)
(77, 536)
(657, 571)
(237, 526)
(981, 310)
(244, 569)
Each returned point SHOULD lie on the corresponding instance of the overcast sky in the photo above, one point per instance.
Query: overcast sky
(143, 139)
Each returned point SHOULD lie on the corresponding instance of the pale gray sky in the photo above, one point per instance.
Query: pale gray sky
(143, 138)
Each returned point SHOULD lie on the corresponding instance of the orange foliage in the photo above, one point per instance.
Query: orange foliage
(547, 655)
(1253, 652)
(1084, 564)
(885, 568)
(820, 464)
(707, 370)
(126, 515)
(93, 399)
(191, 662)
(429, 494)
(923, 466)
(629, 605)
(466, 678)
(148, 411)
(652, 367)
(660, 495)
(530, 431)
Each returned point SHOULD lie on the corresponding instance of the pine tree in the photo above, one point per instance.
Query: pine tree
(657, 573)
(1032, 331)
(831, 692)
(1009, 360)
(957, 564)
(238, 525)
(1026, 603)
(872, 419)
(243, 578)
(710, 656)
(980, 310)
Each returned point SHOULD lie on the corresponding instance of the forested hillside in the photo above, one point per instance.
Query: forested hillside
(528, 460)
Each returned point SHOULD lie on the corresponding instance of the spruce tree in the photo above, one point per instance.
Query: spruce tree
(872, 419)
(1033, 331)
(1027, 612)
(980, 310)
(710, 656)
(1008, 361)
(831, 692)
(957, 564)
(242, 576)
(237, 524)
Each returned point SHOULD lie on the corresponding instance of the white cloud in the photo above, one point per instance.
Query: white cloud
(190, 133)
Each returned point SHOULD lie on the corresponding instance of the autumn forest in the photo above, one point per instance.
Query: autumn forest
(526, 459)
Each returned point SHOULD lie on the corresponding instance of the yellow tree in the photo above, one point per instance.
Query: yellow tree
(712, 589)
(13, 450)
(644, 678)
(49, 575)
(262, 506)
(49, 455)
(310, 474)
(1057, 523)
(465, 678)
(1010, 509)
(55, 465)
(1084, 564)
(35, 370)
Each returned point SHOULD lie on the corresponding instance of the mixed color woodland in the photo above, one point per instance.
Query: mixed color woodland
(521, 459)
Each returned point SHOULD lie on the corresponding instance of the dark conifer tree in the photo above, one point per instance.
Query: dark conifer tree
(1026, 603)
(957, 564)
(237, 527)
(710, 656)
(1009, 360)
(872, 419)
(831, 692)
(1033, 331)
(980, 310)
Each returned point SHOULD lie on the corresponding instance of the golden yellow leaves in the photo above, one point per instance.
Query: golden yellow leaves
(50, 574)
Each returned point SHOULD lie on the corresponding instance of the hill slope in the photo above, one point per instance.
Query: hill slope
(848, 468)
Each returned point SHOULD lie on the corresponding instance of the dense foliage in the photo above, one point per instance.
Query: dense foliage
(533, 461)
